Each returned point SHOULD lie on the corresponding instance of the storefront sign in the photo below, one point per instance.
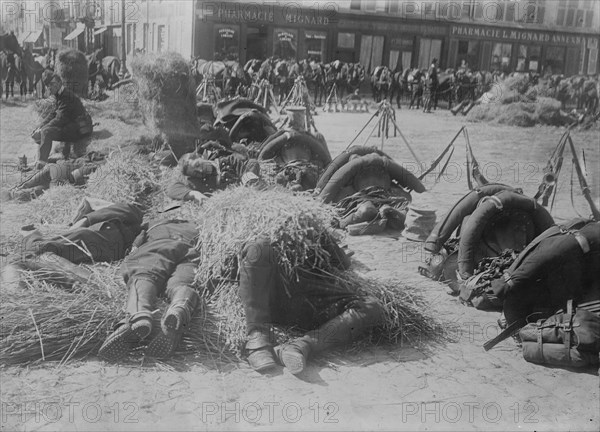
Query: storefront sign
(237, 12)
(393, 27)
(284, 36)
(312, 19)
(227, 33)
(517, 35)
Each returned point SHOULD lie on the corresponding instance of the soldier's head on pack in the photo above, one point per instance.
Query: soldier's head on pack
(193, 165)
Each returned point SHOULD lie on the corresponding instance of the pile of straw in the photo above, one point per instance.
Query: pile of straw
(44, 107)
(56, 206)
(237, 216)
(41, 321)
(127, 176)
(167, 100)
(72, 68)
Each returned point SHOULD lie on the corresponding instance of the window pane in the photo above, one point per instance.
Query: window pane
(560, 17)
(555, 57)
(355, 4)
(227, 42)
(285, 45)
(579, 18)
(589, 18)
(570, 18)
(510, 12)
(346, 40)
(315, 45)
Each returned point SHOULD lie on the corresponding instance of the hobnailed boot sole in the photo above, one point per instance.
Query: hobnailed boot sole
(118, 344)
(167, 340)
(262, 359)
(292, 359)
(164, 344)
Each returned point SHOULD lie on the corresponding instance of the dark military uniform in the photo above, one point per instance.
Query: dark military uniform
(61, 124)
(110, 233)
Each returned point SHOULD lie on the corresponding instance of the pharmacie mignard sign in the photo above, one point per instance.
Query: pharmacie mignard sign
(254, 12)
(516, 35)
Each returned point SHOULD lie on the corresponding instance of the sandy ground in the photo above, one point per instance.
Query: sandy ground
(456, 386)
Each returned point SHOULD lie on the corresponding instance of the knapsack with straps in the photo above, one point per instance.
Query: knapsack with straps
(570, 338)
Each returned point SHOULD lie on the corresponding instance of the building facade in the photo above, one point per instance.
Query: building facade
(544, 36)
(553, 36)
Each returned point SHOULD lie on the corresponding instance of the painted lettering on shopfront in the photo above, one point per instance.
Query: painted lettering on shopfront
(517, 35)
(306, 19)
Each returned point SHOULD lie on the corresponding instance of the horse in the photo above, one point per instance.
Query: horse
(233, 79)
(33, 68)
(109, 70)
(416, 82)
(283, 78)
(355, 76)
(400, 85)
(381, 81)
(445, 89)
(314, 76)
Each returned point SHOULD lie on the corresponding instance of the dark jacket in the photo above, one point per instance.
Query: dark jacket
(67, 109)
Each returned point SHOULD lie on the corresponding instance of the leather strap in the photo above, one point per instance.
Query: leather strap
(568, 317)
(583, 243)
(540, 343)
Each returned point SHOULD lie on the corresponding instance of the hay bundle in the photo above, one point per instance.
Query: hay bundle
(167, 98)
(41, 321)
(72, 68)
(236, 216)
(57, 206)
(127, 176)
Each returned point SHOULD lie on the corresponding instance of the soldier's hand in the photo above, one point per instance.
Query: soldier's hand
(199, 197)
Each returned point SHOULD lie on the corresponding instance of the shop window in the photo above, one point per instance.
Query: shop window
(469, 52)
(346, 40)
(315, 45)
(528, 59)
(227, 42)
(428, 50)
(555, 60)
(369, 6)
(285, 43)
(501, 57)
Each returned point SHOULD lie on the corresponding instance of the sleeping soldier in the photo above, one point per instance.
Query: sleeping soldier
(331, 315)
(161, 263)
(200, 176)
(102, 235)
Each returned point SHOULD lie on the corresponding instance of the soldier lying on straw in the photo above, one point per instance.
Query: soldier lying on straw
(101, 235)
(162, 261)
(201, 176)
(332, 314)
(54, 174)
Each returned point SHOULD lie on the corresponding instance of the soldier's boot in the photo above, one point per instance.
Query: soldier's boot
(136, 326)
(343, 329)
(257, 280)
(174, 323)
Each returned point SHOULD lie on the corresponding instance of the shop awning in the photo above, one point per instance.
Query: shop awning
(80, 28)
(99, 31)
(21, 38)
(33, 36)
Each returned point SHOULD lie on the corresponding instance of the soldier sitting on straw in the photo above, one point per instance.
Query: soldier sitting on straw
(162, 262)
(103, 234)
(200, 175)
(331, 314)
(62, 172)
(68, 121)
